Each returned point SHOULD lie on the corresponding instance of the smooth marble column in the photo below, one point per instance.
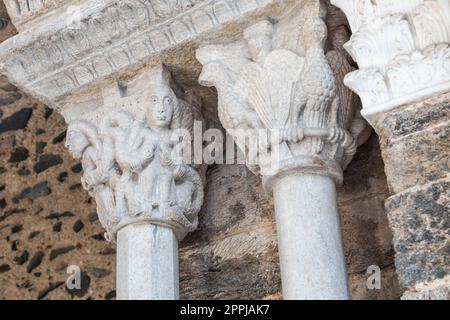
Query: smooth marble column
(309, 238)
(147, 263)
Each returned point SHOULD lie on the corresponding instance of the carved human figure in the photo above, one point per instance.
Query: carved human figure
(133, 166)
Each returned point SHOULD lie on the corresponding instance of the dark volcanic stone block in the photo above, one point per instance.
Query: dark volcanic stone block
(60, 251)
(18, 155)
(35, 261)
(47, 161)
(18, 120)
(39, 190)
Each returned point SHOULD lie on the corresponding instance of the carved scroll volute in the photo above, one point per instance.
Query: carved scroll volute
(132, 161)
(300, 98)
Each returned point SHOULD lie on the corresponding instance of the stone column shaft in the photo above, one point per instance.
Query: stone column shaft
(309, 238)
(147, 263)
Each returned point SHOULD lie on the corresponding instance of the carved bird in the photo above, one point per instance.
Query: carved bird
(233, 110)
(316, 91)
(346, 114)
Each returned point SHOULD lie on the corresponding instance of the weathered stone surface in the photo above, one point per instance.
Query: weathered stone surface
(435, 290)
(419, 218)
(415, 143)
(57, 215)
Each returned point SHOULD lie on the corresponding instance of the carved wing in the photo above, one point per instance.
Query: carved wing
(282, 70)
(250, 84)
(348, 100)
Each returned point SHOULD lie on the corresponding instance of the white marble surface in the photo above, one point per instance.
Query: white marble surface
(309, 239)
(147, 263)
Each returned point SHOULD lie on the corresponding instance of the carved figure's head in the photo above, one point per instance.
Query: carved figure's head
(161, 108)
(160, 101)
(76, 142)
(259, 39)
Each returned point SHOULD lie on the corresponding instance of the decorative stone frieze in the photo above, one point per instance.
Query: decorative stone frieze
(402, 50)
(81, 45)
(133, 168)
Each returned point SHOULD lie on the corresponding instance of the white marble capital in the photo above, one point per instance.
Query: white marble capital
(280, 79)
(132, 166)
(402, 49)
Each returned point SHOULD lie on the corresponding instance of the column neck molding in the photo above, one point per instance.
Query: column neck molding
(284, 82)
(132, 166)
(402, 49)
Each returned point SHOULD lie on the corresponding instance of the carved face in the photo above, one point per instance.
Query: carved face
(161, 107)
(76, 142)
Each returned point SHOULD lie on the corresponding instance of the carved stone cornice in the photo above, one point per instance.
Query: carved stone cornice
(280, 80)
(132, 166)
(24, 13)
(70, 50)
(402, 49)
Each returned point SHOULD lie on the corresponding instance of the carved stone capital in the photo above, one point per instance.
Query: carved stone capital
(280, 79)
(402, 49)
(133, 166)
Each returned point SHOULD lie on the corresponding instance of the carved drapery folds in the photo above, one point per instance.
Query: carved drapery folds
(133, 166)
(285, 83)
(401, 47)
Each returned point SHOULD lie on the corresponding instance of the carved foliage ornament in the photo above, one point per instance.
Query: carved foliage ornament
(133, 167)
